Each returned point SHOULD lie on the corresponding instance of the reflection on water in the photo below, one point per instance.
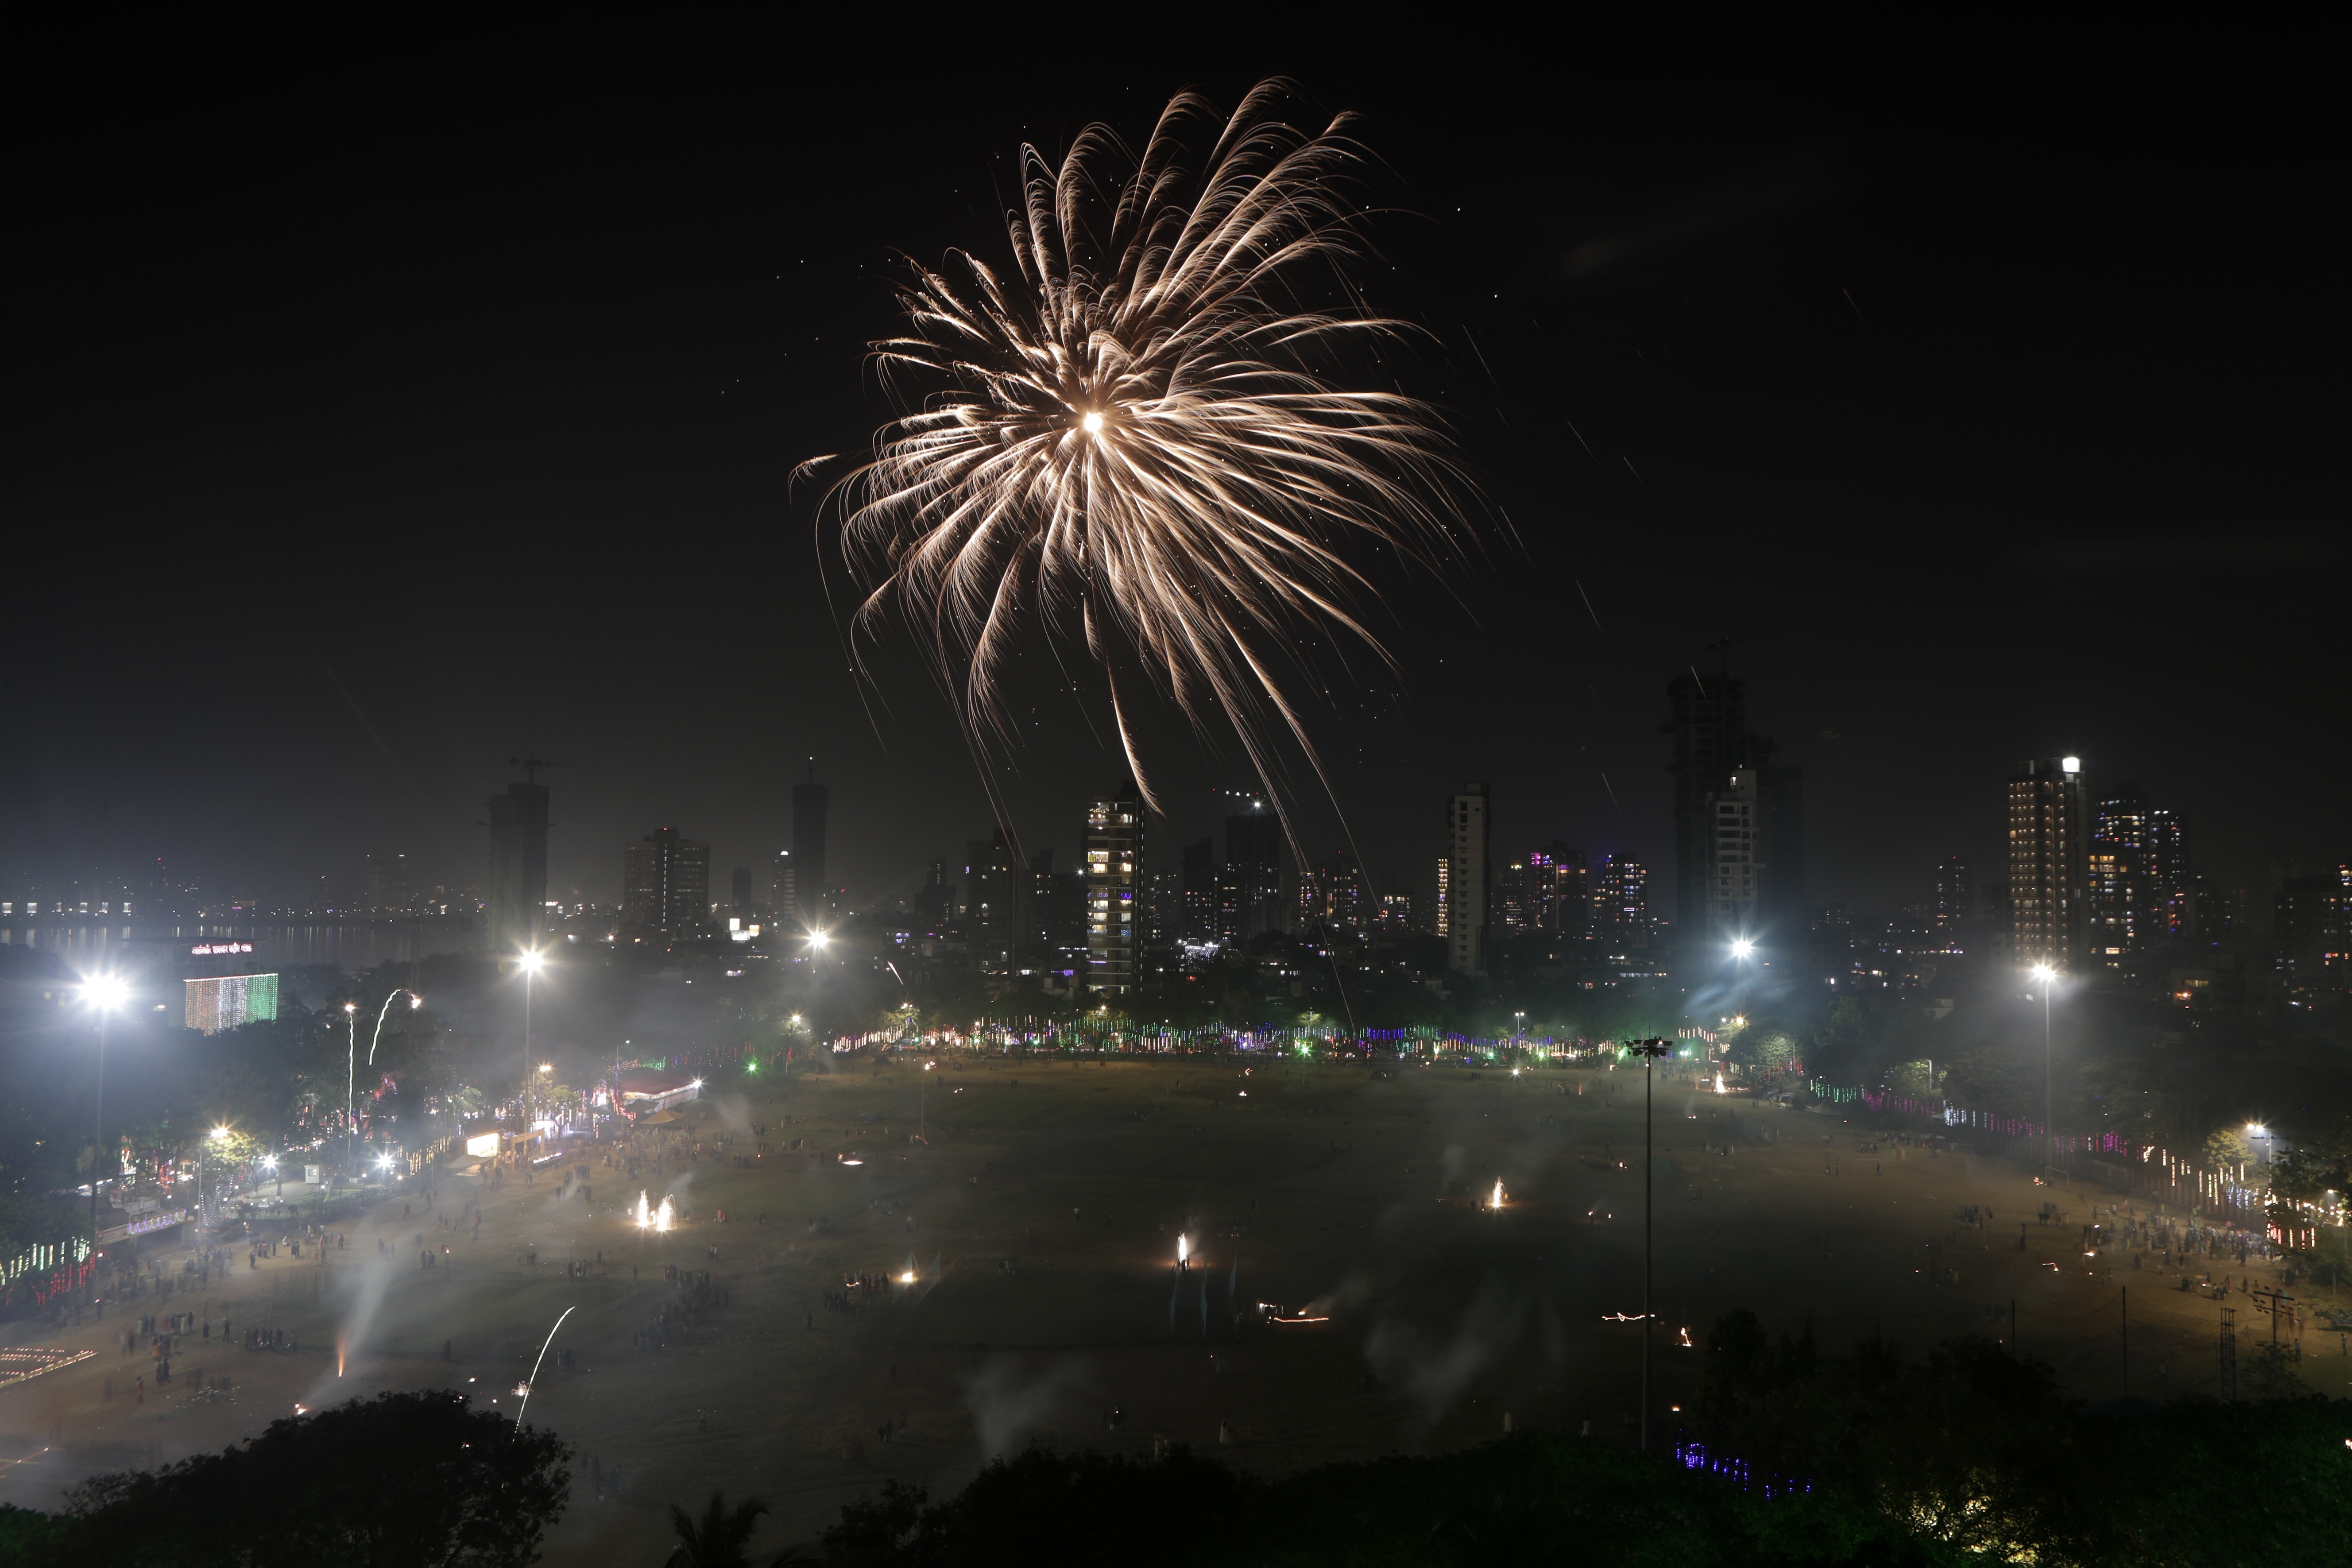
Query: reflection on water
(141, 945)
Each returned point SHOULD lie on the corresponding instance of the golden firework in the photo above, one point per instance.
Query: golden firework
(1137, 437)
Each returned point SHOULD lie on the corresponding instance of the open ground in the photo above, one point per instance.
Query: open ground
(1037, 1208)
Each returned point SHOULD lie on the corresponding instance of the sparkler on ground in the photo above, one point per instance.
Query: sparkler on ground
(1136, 436)
(658, 1220)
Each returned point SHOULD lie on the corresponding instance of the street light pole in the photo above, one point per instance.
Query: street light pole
(105, 993)
(530, 972)
(1649, 1051)
(2048, 977)
(350, 1077)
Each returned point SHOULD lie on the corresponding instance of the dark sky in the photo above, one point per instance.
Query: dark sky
(368, 426)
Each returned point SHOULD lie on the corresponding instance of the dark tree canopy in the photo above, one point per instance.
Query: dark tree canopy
(403, 1481)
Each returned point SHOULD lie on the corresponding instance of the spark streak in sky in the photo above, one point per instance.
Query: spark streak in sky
(1136, 438)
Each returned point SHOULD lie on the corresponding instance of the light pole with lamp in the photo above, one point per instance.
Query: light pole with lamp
(2047, 978)
(1649, 1051)
(350, 1077)
(105, 992)
(531, 960)
(923, 1105)
(817, 942)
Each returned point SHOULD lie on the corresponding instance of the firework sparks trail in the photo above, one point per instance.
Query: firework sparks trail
(1134, 438)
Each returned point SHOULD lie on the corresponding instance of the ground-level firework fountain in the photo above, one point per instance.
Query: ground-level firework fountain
(658, 1220)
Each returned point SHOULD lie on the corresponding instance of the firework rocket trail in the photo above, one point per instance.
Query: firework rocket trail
(1133, 436)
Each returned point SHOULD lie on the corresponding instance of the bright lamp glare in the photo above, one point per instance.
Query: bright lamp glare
(106, 992)
(531, 960)
(219, 1133)
(818, 939)
(1742, 948)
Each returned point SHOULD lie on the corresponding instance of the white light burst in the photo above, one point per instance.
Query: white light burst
(1136, 436)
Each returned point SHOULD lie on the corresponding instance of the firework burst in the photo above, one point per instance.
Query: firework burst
(1136, 438)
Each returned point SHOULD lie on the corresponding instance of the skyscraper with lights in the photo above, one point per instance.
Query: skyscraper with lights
(1465, 878)
(2049, 863)
(1114, 875)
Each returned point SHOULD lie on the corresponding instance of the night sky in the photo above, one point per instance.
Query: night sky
(366, 432)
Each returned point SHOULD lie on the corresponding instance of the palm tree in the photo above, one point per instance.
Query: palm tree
(719, 1540)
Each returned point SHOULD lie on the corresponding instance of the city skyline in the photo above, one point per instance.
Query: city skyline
(1679, 446)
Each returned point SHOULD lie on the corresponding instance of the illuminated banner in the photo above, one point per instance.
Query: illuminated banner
(216, 949)
(483, 1146)
(227, 1001)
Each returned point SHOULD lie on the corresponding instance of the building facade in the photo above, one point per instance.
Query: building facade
(1251, 901)
(1736, 864)
(1952, 907)
(811, 892)
(1707, 723)
(1466, 876)
(518, 887)
(2049, 864)
(1114, 874)
(1620, 903)
(665, 884)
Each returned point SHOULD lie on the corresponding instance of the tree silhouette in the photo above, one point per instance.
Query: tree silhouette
(717, 1539)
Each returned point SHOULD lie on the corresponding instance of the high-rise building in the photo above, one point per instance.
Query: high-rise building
(2207, 911)
(1561, 895)
(1053, 915)
(1200, 892)
(1331, 896)
(1950, 913)
(387, 881)
(937, 908)
(1163, 906)
(808, 850)
(1114, 886)
(665, 884)
(784, 888)
(1467, 873)
(1736, 865)
(518, 882)
(1781, 898)
(2311, 923)
(2168, 875)
(992, 901)
(2120, 917)
(1254, 857)
(1515, 898)
(1620, 903)
(739, 888)
(1708, 719)
(1348, 904)
(2049, 863)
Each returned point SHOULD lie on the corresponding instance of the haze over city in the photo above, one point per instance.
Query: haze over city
(1426, 703)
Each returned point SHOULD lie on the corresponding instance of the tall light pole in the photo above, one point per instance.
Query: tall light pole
(1649, 1051)
(2047, 978)
(104, 994)
(923, 1105)
(817, 942)
(531, 960)
(350, 1077)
